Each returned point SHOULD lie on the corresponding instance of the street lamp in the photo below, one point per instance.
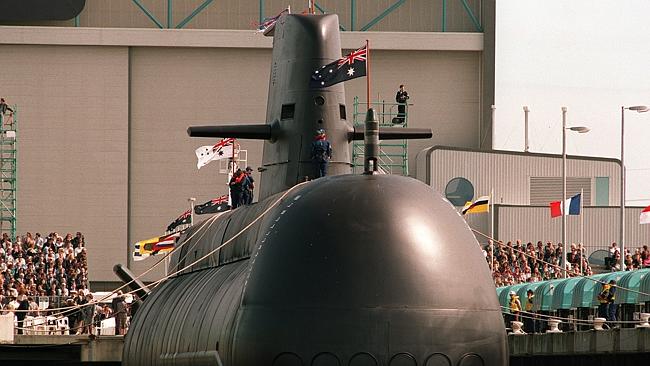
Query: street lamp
(578, 129)
(638, 109)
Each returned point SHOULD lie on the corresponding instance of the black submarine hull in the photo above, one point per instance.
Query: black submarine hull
(344, 270)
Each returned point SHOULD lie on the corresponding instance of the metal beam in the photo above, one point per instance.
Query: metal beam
(194, 13)
(148, 13)
(469, 12)
(261, 11)
(353, 14)
(383, 15)
(444, 15)
(170, 16)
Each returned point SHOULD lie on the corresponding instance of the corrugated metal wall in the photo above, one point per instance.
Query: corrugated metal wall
(411, 16)
(509, 173)
(601, 226)
(544, 189)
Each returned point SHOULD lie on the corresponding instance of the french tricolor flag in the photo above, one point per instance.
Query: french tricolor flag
(645, 216)
(571, 206)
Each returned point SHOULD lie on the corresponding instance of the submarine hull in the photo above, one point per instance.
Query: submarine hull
(343, 270)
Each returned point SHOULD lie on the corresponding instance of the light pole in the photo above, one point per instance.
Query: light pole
(578, 129)
(638, 109)
(526, 110)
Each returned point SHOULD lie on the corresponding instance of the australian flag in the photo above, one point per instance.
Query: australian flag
(347, 68)
(213, 206)
(184, 219)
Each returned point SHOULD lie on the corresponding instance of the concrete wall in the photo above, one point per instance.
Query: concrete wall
(72, 143)
(103, 114)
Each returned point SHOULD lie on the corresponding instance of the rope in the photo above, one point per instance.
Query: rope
(530, 315)
(158, 282)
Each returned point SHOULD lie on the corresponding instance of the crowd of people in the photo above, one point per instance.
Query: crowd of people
(640, 258)
(33, 265)
(518, 263)
(241, 186)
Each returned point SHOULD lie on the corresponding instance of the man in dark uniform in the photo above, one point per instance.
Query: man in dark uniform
(237, 188)
(23, 307)
(321, 152)
(401, 97)
(249, 186)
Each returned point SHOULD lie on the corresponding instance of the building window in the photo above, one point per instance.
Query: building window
(319, 100)
(342, 111)
(287, 111)
(459, 191)
(602, 191)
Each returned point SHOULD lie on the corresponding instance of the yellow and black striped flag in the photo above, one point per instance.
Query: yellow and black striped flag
(482, 204)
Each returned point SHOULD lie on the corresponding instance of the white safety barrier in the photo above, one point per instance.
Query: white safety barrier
(7, 328)
(107, 327)
(27, 326)
(62, 325)
(40, 325)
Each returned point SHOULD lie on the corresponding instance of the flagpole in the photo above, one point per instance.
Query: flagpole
(232, 171)
(582, 228)
(191, 201)
(368, 72)
(492, 228)
(492, 213)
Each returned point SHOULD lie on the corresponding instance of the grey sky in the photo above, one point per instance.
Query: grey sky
(592, 56)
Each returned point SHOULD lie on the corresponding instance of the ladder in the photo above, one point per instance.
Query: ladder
(8, 176)
(393, 154)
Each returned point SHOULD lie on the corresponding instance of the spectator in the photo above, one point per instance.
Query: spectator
(119, 309)
(22, 308)
(34, 266)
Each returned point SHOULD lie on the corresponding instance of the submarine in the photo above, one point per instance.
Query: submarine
(348, 269)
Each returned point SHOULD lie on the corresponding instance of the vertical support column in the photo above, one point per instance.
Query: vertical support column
(444, 15)
(170, 15)
(353, 14)
(526, 110)
(562, 204)
(261, 11)
(622, 244)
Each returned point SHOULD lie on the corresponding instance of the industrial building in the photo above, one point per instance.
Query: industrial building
(104, 99)
(523, 185)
